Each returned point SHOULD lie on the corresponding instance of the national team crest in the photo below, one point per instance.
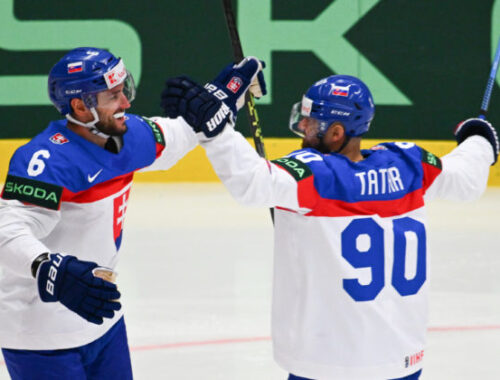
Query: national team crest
(120, 207)
(378, 147)
(234, 84)
(58, 139)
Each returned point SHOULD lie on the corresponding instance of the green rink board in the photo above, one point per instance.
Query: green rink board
(426, 61)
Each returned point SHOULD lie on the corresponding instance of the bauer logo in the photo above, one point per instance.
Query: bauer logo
(75, 67)
(234, 84)
(218, 118)
(58, 139)
(56, 262)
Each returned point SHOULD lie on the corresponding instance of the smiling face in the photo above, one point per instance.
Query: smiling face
(111, 106)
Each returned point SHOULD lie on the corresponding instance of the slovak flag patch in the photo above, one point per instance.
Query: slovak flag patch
(234, 84)
(58, 139)
(75, 67)
(340, 91)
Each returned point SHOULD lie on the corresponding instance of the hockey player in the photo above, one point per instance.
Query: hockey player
(351, 279)
(61, 217)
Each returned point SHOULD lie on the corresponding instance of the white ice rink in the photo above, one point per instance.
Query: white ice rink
(195, 274)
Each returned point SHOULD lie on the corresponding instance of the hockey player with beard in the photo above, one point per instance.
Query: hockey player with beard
(348, 303)
(61, 218)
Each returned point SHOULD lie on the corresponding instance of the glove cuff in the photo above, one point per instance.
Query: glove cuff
(36, 263)
(479, 127)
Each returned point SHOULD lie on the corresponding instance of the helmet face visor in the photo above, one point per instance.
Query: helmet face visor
(114, 97)
(301, 124)
(295, 118)
(129, 87)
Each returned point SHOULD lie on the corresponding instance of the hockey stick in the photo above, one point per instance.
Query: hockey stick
(489, 85)
(238, 56)
(253, 118)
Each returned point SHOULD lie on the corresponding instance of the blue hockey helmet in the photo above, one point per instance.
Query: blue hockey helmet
(82, 73)
(337, 98)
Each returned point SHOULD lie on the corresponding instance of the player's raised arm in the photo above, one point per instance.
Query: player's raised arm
(176, 139)
(465, 170)
(211, 112)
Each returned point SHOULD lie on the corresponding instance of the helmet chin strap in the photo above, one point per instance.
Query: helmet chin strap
(91, 124)
(346, 141)
(321, 135)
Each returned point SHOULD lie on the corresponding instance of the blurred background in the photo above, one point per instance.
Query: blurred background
(196, 267)
(426, 61)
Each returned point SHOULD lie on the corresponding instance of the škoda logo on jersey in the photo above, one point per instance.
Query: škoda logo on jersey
(157, 132)
(234, 84)
(296, 168)
(31, 191)
(431, 159)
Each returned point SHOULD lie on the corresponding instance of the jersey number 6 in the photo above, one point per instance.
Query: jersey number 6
(374, 258)
(36, 165)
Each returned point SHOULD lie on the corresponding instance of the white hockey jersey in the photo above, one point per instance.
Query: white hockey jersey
(351, 278)
(65, 194)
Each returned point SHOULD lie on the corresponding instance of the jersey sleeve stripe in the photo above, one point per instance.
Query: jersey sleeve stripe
(160, 144)
(430, 174)
(307, 194)
(158, 135)
(431, 167)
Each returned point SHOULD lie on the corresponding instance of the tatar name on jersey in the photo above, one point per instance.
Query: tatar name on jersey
(390, 180)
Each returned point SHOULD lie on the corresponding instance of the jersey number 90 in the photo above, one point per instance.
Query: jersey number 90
(374, 257)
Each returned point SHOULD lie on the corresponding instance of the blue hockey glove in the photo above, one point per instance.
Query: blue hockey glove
(71, 282)
(203, 111)
(233, 82)
(481, 127)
